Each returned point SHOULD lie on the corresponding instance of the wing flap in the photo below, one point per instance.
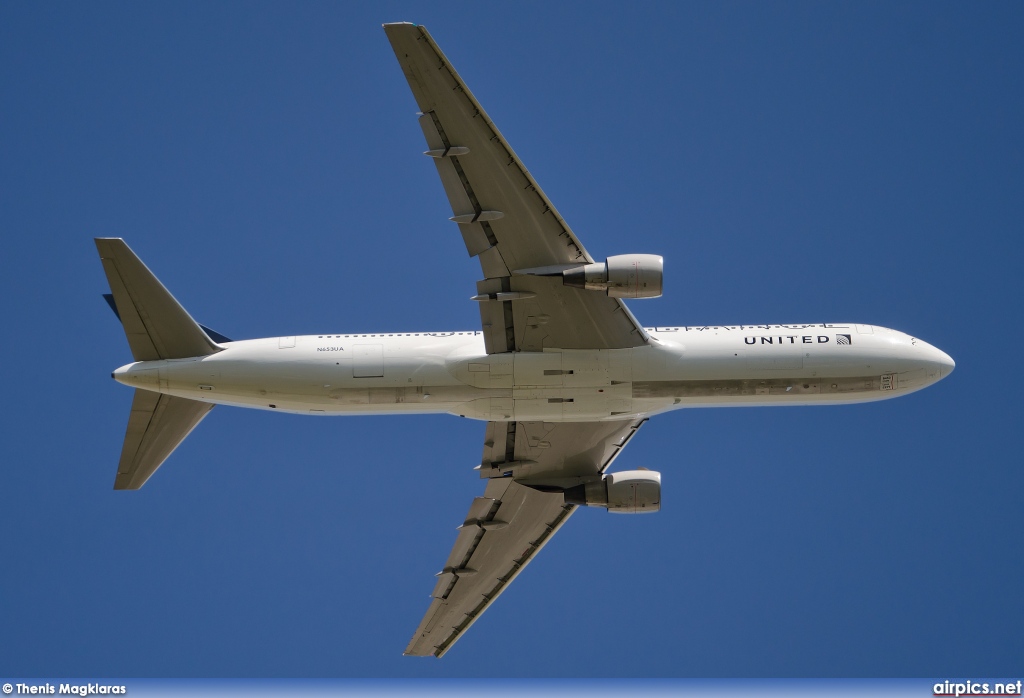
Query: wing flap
(481, 510)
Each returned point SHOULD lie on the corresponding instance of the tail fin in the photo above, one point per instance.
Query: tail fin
(156, 425)
(212, 334)
(156, 325)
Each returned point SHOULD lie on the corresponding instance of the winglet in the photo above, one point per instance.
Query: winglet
(156, 325)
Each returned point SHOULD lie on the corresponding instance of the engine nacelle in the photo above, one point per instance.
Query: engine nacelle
(620, 276)
(628, 492)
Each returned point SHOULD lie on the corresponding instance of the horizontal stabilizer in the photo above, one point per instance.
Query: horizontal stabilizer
(156, 425)
(156, 325)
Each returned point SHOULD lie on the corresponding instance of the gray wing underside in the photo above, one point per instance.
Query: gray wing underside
(507, 526)
(505, 218)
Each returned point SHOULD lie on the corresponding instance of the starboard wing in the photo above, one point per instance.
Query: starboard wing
(505, 218)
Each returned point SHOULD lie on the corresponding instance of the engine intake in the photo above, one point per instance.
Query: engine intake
(620, 276)
(628, 492)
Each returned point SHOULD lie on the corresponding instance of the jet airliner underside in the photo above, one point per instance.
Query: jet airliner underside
(561, 371)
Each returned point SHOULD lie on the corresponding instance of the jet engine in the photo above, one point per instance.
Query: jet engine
(628, 492)
(620, 276)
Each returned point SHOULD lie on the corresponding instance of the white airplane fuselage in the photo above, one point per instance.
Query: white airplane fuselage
(449, 372)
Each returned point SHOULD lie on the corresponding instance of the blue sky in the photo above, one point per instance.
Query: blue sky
(793, 162)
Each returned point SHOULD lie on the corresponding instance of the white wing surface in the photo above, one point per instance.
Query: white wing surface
(505, 219)
(507, 526)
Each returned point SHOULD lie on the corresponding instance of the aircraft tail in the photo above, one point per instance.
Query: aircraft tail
(156, 325)
(156, 426)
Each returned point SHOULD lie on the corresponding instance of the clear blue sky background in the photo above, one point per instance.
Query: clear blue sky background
(793, 162)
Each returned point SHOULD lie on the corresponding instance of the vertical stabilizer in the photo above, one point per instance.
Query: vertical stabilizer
(156, 325)
(157, 425)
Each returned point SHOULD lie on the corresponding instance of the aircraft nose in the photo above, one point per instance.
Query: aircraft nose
(936, 355)
(946, 364)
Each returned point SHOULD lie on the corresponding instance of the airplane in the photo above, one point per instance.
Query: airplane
(561, 372)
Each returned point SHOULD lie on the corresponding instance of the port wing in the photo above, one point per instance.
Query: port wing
(507, 526)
